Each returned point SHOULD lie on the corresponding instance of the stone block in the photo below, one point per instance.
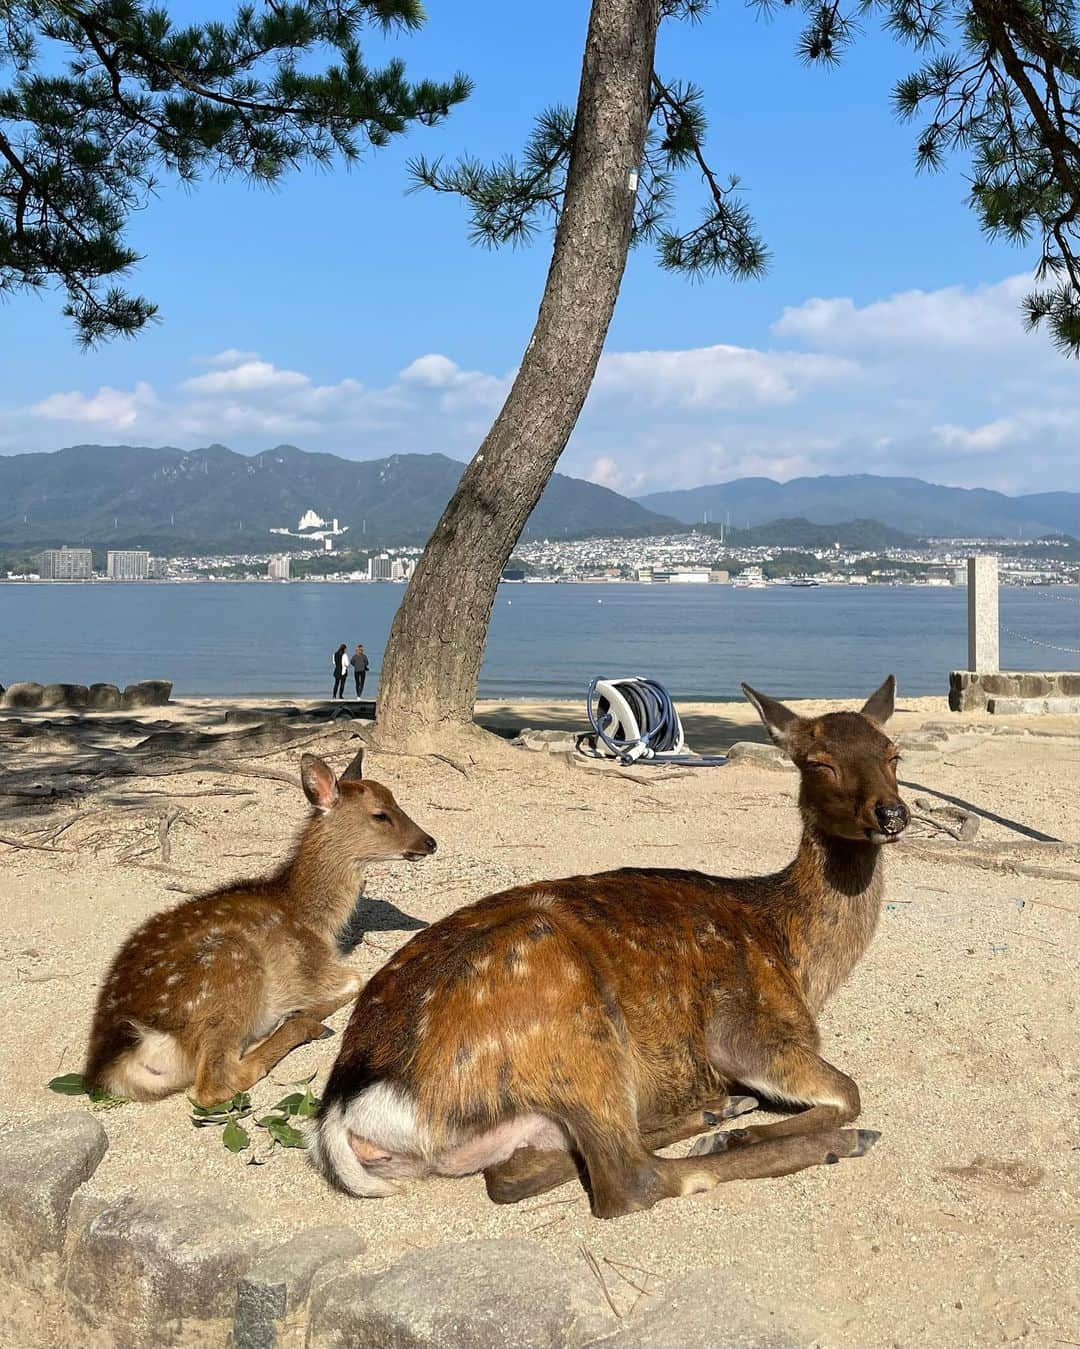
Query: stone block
(41, 1166)
(147, 693)
(145, 1260)
(280, 1280)
(103, 698)
(64, 695)
(758, 755)
(970, 690)
(22, 695)
(1028, 707)
(702, 1311)
(482, 1295)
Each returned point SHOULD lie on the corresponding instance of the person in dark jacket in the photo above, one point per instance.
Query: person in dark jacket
(360, 666)
(341, 670)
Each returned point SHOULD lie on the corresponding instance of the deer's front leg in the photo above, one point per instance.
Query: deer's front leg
(531, 1171)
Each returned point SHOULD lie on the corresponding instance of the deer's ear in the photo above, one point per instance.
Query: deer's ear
(319, 783)
(779, 720)
(880, 706)
(355, 770)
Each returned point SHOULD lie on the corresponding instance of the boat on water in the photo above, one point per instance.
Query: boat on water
(750, 578)
(803, 581)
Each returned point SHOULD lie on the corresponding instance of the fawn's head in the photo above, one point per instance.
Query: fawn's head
(362, 817)
(847, 765)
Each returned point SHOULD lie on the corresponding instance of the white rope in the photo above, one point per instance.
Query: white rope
(1050, 646)
(1047, 593)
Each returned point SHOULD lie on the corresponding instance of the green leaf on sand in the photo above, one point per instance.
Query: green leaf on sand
(71, 1084)
(234, 1137)
(281, 1131)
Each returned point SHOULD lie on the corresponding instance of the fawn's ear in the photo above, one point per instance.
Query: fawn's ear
(355, 770)
(319, 783)
(779, 720)
(879, 706)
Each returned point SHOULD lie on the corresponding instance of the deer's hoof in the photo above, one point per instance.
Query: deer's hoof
(711, 1143)
(739, 1105)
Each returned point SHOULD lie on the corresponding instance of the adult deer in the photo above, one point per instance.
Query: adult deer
(583, 1023)
(218, 989)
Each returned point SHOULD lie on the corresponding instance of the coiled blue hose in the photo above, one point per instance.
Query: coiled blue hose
(657, 720)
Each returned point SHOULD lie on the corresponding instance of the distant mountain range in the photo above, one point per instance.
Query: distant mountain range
(910, 505)
(213, 500)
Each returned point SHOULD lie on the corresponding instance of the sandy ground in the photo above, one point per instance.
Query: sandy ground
(956, 1231)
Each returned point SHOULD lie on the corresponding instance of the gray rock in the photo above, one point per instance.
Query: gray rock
(144, 1260)
(64, 695)
(22, 695)
(703, 1311)
(1027, 707)
(482, 1295)
(762, 756)
(280, 1280)
(147, 693)
(103, 697)
(41, 1167)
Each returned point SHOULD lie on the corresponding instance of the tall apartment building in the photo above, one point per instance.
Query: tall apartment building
(66, 564)
(277, 568)
(128, 564)
(380, 568)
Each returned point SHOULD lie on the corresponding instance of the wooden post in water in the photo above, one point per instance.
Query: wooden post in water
(982, 598)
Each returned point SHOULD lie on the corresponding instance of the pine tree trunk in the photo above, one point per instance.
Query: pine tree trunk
(427, 685)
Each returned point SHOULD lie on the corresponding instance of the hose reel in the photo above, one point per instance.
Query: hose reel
(634, 720)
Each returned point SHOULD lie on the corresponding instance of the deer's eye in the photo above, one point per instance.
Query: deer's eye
(381, 816)
(821, 766)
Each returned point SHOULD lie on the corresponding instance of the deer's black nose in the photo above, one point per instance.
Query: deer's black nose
(429, 843)
(893, 818)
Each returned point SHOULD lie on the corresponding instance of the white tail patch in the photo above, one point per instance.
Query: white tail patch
(384, 1118)
(155, 1067)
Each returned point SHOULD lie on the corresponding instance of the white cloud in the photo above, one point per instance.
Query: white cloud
(718, 377)
(116, 409)
(230, 356)
(953, 319)
(939, 384)
(246, 377)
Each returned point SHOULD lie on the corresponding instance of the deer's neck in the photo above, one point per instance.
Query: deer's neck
(321, 880)
(831, 906)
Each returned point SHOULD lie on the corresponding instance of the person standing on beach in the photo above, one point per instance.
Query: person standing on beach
(341, 670)
(360, 667)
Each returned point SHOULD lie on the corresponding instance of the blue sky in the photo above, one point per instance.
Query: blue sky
(336, 312)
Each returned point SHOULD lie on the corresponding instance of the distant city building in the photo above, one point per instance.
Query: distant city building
(403, 568)
(66, 564)
(690, 576)
(278, 568)
(312, 528)
(128, 564)
(380, 568)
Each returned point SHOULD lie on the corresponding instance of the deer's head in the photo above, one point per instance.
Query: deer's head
(364, 820)
(847, 765)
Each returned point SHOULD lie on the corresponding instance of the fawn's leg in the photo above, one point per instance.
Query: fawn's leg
(533, 1171)
(346, 990)
(220, 1071)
